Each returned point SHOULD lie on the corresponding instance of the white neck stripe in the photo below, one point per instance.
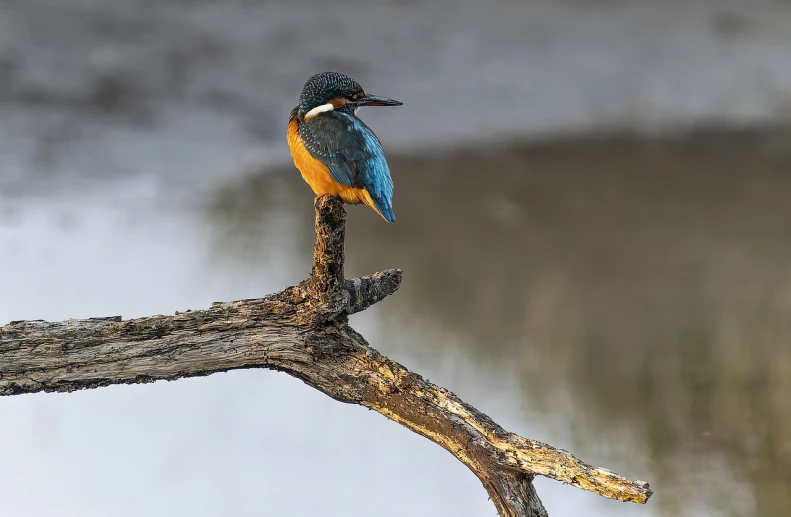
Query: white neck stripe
(319, 109)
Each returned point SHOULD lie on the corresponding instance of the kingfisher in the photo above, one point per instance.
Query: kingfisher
(336, 153)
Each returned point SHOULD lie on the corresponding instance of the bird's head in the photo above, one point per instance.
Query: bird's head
(329, 91)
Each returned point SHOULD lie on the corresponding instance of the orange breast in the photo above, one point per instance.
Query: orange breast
(318, 177)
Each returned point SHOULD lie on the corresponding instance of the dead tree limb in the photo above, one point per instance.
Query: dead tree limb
(302, 331)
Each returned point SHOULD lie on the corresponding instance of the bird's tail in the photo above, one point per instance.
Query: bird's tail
(379, 205)
(387, 213)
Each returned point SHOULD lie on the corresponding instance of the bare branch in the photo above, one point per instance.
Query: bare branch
(302, 331)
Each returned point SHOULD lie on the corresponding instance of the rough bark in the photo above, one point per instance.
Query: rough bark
(302, 331)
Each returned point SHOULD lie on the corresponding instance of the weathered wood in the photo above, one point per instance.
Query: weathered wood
(302, 331)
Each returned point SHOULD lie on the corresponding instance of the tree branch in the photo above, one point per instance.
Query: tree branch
(302, 331)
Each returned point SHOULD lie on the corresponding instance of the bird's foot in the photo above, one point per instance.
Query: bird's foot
(318, 198)
(327, 203)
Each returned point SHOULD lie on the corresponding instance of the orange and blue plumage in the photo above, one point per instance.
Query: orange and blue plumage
(336, 153)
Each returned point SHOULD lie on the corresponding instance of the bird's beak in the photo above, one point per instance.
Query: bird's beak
(375, 100)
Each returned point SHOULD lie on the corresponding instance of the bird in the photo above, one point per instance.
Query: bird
(335, 151)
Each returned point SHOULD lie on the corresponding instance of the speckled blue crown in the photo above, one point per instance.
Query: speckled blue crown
(323, 87)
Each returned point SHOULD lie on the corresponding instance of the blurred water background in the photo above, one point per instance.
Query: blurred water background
(593, 220)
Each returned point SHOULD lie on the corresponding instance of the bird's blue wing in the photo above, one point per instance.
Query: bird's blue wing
(332, 140)
(353, 155)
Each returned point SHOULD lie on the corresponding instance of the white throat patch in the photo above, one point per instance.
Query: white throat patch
(319, 109)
